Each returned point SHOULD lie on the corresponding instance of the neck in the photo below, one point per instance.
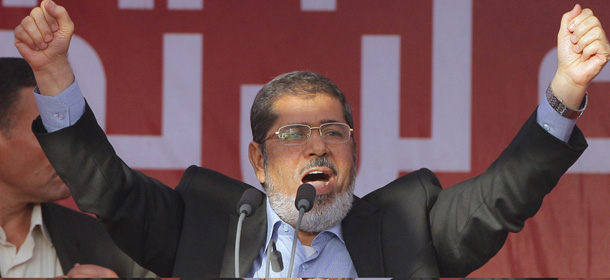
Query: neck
(307, 238)
(15, 220)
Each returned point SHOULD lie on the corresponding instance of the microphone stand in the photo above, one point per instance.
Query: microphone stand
(242, 216)
(268, 261)
(275, 258)
(294, 240)
(250, 199)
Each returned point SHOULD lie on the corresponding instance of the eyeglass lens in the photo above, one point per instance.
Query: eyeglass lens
(332, 133)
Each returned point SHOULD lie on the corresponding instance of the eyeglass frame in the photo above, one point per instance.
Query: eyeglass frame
(277, 133)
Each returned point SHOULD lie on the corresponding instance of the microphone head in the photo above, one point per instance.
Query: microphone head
(249, 201)
(306, 194)
(276, 258)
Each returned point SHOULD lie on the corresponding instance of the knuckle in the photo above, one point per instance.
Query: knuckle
(70, 26)
(589, 11)
(36, 11)
(597, 33)
(26, 21)
(20, 32)
(590, 50)
(61, 11)
(29, 27)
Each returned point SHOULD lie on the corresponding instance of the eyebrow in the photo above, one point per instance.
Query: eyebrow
(314, 125)
(325, 121)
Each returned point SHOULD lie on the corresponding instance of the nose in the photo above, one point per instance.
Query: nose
(316, 146)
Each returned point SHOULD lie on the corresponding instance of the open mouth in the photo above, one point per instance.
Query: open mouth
(317, 178)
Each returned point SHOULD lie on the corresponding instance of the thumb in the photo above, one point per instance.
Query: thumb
(58, 14)
(574, 12)
(567, 18)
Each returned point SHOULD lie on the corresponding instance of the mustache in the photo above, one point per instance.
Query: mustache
(320, 162)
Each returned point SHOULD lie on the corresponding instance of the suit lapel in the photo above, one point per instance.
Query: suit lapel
(62, 249)
(362, 235)
(254, 229)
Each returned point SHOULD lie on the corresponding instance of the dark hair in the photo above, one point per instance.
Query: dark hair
(15, 74)
(298, 83)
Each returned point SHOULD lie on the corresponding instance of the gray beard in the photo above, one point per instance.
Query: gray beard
(328, 209)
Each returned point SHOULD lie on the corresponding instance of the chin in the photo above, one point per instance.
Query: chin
(61, 192)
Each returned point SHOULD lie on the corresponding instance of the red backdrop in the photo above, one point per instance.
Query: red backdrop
(247, 42)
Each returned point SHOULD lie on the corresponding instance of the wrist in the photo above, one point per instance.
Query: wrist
(54, 78)
(557, 104)
(570, 93)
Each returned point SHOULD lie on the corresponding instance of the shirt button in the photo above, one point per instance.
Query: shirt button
(285, 228)
(59, 116)
(304, 266)
(546, 127)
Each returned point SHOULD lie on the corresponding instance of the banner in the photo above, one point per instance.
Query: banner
(438, 84)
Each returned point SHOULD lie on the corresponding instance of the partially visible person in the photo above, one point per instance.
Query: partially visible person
(39, 238)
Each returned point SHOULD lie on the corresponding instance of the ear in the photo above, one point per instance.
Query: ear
(3, 138)
(256, 159)
(4, 149)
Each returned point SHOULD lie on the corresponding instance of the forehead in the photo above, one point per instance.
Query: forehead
(310, 109)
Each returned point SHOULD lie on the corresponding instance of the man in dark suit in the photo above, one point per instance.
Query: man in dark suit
(303, 133)
(40, 238)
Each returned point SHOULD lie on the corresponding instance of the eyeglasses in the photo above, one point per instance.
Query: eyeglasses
(297, 134)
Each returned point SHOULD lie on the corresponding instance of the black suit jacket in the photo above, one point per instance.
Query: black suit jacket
(408, 228)
(79, 238)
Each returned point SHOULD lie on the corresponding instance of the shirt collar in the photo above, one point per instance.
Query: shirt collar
(36, 220)
(274, 222)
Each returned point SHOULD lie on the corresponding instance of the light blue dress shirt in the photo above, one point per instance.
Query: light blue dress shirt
(330, 258)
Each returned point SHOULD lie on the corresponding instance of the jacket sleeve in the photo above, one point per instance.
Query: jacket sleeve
(471, 220)
(143, 216)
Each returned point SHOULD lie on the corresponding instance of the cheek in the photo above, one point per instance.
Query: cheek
(346, 164)
(36, 157)
(279, 171)
(32, 159)
(283, 172)
(282, 162)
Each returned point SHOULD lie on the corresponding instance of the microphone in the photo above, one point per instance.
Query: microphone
(306, 194)
(274, 257)
(305, 197)
(250, 199)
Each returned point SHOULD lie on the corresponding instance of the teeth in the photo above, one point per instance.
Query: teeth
(317, 176)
